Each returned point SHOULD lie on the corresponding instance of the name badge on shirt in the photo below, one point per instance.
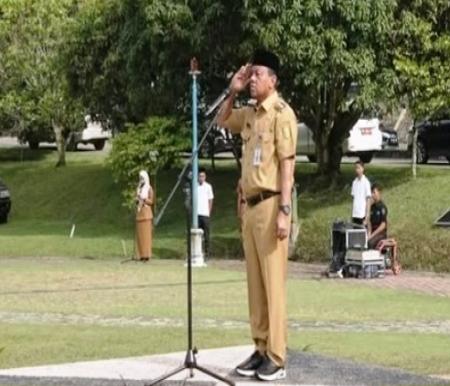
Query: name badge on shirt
(257, 155)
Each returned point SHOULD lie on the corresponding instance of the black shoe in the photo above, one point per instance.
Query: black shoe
(269, 371)
(250, 365)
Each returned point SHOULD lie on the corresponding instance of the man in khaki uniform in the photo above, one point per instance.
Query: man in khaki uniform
(268, 129)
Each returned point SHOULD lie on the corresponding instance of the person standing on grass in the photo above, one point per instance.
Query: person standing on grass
(268, 129)
(361, 194)
(205, 198)
(144, 217)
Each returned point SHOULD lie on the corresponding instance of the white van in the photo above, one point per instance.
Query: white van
(93, 133)
(365, 139)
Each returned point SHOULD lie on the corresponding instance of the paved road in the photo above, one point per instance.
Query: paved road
(437, 284)
(304, 368)
(379, 160)
(8, 142)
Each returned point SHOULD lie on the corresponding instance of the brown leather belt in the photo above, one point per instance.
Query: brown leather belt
(256, 199)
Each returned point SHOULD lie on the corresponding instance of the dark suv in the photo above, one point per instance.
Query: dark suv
(220, 140)
(433, 138)
(5, 202)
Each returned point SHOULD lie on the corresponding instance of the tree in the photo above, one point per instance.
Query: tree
(152, 145)
(339, 58)
(34, 90)
(335, 59)
(128, 59)
(423, 55)
(423, 59)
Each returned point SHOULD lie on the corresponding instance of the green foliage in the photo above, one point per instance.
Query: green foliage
(423, 56)
(339, 58)
(128, 60)
(32, 33)
(33, 91)
(336, 62)
(152, 146)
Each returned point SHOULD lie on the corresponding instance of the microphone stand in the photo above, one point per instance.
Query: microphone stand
(213, 106)
(190, 362)
(194, 154)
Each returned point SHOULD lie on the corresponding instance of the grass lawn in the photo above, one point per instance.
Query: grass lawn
(54, 310)
(47, 201)
(413, 206)
(66, 299)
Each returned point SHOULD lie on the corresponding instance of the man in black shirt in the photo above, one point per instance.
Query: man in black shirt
(378, 218)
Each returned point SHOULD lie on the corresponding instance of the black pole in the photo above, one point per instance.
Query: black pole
(190, 362)
(188, 192)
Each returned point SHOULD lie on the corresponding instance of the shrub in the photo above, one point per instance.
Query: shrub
(152, 145)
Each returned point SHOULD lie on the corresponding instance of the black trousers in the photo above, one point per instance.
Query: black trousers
(372, 243)
(357, 220)
(203, 223)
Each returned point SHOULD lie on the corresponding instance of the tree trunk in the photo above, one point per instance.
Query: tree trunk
(329, 140)
(331, 127)
(333, 167)
(414, 154)
(60, 144)
(329, 154)
(321, 151)
(213, 156)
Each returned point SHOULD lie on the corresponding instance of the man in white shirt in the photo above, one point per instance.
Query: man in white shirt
(362, 194)
(205, 198)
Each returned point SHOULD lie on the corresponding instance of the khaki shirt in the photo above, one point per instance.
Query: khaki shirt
(269, 134)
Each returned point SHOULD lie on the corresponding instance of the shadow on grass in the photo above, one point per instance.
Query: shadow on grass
(227, 247)
(21, 154)
(170, 253)
(119, 287)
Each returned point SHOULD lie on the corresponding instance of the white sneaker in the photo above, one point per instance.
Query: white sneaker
(269, 371)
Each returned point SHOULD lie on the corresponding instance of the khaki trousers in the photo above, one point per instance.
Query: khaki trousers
(266, 258)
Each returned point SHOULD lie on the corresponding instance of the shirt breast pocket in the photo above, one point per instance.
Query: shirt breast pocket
(267, 144)
(245, 135)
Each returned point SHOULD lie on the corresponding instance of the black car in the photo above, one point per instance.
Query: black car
(220, 140)
(389, 138)
(433, 138)
(5, 202)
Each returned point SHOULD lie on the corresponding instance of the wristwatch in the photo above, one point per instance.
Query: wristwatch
(286, 209)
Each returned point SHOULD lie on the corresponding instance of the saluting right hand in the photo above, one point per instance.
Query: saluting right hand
(240, 79)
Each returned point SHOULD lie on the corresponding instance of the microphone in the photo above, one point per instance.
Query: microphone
(225, 94)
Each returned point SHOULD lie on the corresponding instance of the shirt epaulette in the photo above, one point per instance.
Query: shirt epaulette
(280, 105)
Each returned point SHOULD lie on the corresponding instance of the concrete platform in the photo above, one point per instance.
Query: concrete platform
(303, 369)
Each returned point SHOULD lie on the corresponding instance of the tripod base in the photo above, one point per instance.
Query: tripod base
(135, 260)
(190, 363)
(128, 260)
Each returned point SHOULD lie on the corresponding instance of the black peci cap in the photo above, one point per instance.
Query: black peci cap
(262, 57)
